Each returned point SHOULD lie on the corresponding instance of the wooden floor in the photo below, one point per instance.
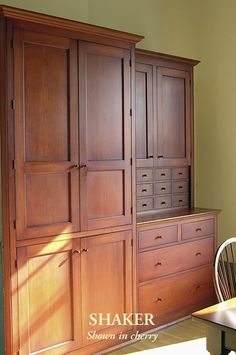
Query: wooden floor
(185, 337)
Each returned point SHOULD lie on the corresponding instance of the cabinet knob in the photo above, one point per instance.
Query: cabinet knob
(158, 237)
(85, 250)
(144, 205)
(163, 188)
(180, 200)
(163, 174)
(180, 173)
(180, 187)
(158, 263)
(198, 229)
(198, 253)
(163, 202)
(144, 175)
(144, 190)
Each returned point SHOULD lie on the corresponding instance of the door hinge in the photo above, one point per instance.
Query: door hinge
(14, 224)
(13, 104)
(130, 63)
(12, 43)
(131, 161)
(131, 112)
(131, 209)
(190, 82)
(14, 164)
(16, 266)
(132, 243)
(1, 252)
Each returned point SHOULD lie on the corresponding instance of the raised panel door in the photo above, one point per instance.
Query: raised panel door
(46, 135)
(49, 297)
(173, 117)
(106, 269)
(105, 135)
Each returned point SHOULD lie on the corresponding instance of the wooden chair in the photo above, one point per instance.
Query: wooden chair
(225, 270)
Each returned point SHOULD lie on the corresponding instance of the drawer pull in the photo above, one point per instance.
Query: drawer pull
(85, 250)
(180, 173)
(150, 156)
(158, 237)
(163, 202)
(198, 229)
(76, 251)
(144, 190)
(198, 253)
(198, 287)
(158, 263)
(180, 200)
(158, 299)
(144, 175)
(180, 187)
(163, 174)
(144, 205)
(160, 156)
(163, 188)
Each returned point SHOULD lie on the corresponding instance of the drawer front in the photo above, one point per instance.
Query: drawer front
(180, 186)
(179, 200)
(162, 188)
(163, 174)
(144, 175)
(180, 173)
(144, 190)
(158, 236)
(198, 229)
(162, 202)
(168, 260)
(166, 298)
(144, 204)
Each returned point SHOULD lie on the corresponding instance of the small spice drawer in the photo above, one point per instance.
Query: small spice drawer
(158, 236)
(163, 174)
(172, 259)
(144, 204)
(144, 175)
(144, 190)
(162, 202)
(177, 295)
(180, 186)
(198, 229)
(180, 173)
(162, 188)
(179, 200)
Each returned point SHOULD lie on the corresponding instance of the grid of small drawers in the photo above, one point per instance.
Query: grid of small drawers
(162, 188)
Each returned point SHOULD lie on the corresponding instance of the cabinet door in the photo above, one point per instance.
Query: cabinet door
(105, 135)
(46, 138)
(106, 268)
(144, 115)
(49, 298)
(173, 121)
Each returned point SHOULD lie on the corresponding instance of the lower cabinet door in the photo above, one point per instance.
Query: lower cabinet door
(106, 269)
(49, 298)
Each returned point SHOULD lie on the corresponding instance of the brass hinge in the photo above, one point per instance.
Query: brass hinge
(131, 209)
(16, 266)
(12, 43)
(131, 161)
(130, 63)
(132, 243)
(14, 164)
(131, 112)
(13, 104)
(14, 224)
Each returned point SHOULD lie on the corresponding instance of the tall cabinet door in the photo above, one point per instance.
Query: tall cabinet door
(105, 135)
(173, 117)
(49, 297)
(144, 115)
(106, 271)
(46, 134)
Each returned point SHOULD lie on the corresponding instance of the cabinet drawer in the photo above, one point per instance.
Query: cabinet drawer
(162, 188)
(163, 174)
(166, 298)
(144, 190)
(144, 204)
(158, 236)
(180, 186)
(144, 175)
(180, 173)
(197, 229)
(179, 200)
(162, 202)
(168, 260)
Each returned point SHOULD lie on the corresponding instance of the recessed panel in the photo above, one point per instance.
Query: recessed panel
(50, 300)
(104, 108)
(46, 94)
(106, 194)
(47, 199)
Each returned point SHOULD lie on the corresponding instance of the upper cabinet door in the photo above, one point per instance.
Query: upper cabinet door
(46, 135)
(105, 136)
(173, 117)
(144, 115)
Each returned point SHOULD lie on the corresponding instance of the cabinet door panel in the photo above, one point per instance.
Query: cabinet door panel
(46, 135)
(173, 122)
(49, 297)
(144, 115)
(105, 135)
(107, 279)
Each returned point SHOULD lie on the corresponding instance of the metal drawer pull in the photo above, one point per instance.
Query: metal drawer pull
(160, 156)
(163, 188)
(144, 175)
(83, 166)
(180, 187)
(163, 202)
(158, 263)
(158, 299)
(180, 200)
(76, 251)
(180, 173)
(158, 237)
(144, 205)
(85, 250)
(163, 174)
(74, 166)
(150, 156)
(144, 190)
(198, 253)
(198, 229)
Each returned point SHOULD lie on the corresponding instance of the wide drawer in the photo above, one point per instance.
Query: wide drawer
(157, 236)
(162, 188)
(144, 190)
(179, 173)
(174, 297)
(172, 259)
(144, 175)
(197, 229)
(180, 200)
(179, 186)
(144, 204)
(163, 174)
(162, 202)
